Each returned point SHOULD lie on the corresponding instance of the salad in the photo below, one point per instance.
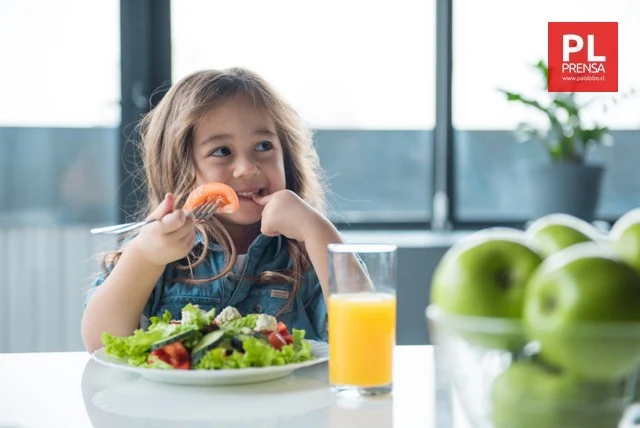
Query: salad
(203, 341)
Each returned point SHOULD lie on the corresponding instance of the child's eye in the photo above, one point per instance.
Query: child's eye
(264, 146)
(221, 152)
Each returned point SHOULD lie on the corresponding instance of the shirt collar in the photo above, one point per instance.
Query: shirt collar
(262, 240)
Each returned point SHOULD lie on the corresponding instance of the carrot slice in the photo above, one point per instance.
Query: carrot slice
(210, 192)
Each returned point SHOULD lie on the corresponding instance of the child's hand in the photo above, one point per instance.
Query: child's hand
(285, 213)
(170, 238)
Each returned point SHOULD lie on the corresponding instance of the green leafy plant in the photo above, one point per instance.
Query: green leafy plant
(566, 139)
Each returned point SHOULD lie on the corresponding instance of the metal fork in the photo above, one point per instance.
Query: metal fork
(201, 213)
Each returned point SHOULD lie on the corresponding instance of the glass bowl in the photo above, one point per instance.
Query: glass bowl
(504, 380)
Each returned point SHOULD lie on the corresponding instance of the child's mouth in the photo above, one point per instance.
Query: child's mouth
(249, 193)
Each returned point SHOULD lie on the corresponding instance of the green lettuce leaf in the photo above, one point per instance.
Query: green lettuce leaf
(235, 326)
(135, 348)
(217, 359)
(258, 353)
(195, 318)
(301, 347)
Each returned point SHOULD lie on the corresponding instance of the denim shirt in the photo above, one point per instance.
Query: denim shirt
(307, 310)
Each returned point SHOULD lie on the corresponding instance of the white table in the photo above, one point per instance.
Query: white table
(71, 390)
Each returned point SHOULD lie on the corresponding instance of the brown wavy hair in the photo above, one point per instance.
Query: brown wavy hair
(166, 147)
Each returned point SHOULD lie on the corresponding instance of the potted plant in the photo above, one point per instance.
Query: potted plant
(568, 183)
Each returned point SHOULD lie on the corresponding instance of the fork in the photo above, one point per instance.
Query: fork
(201, 213)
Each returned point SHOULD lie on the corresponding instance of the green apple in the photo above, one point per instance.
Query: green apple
(484, 275)
(625, 237)
(555, 232)
(582, 307)
(531, 395)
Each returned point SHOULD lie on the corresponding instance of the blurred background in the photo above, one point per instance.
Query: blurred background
(417, 141)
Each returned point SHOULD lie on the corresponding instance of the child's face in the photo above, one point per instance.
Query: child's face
(237, 145)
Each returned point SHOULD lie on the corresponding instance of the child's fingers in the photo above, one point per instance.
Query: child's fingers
(268, 230)
(188, 240)
(184, 231)
(174, 221)
(261, 200)
(165, 207)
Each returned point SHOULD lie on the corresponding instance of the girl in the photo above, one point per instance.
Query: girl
(268, 257)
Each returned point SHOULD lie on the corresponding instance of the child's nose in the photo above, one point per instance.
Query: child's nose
(245, 167)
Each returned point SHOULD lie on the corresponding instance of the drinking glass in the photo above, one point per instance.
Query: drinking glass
(362, 318)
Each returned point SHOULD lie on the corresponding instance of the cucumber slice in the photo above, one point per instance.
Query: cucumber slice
(179, 337)
(238, 340)
(208, 342)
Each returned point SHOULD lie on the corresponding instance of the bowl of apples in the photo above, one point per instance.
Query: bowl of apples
(541, 328)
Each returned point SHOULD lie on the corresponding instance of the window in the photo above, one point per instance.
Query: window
(362, 75)
(492, 53)
(59, 120)
(59, 112)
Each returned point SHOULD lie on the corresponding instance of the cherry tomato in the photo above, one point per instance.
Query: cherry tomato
(282, 328)
(174, 354)
(284, 333)
(276, 340)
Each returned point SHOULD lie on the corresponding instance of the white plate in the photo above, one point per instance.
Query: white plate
(320, 351)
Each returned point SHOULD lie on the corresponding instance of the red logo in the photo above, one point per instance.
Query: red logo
(583, 57)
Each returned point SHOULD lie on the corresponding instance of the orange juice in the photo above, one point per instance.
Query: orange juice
(362, 329)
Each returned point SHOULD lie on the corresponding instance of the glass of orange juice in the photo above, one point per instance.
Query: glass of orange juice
(362, 318)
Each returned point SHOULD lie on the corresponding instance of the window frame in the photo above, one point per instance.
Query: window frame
(146, 74)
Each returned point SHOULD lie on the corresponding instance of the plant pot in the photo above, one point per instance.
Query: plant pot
(561, 188)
